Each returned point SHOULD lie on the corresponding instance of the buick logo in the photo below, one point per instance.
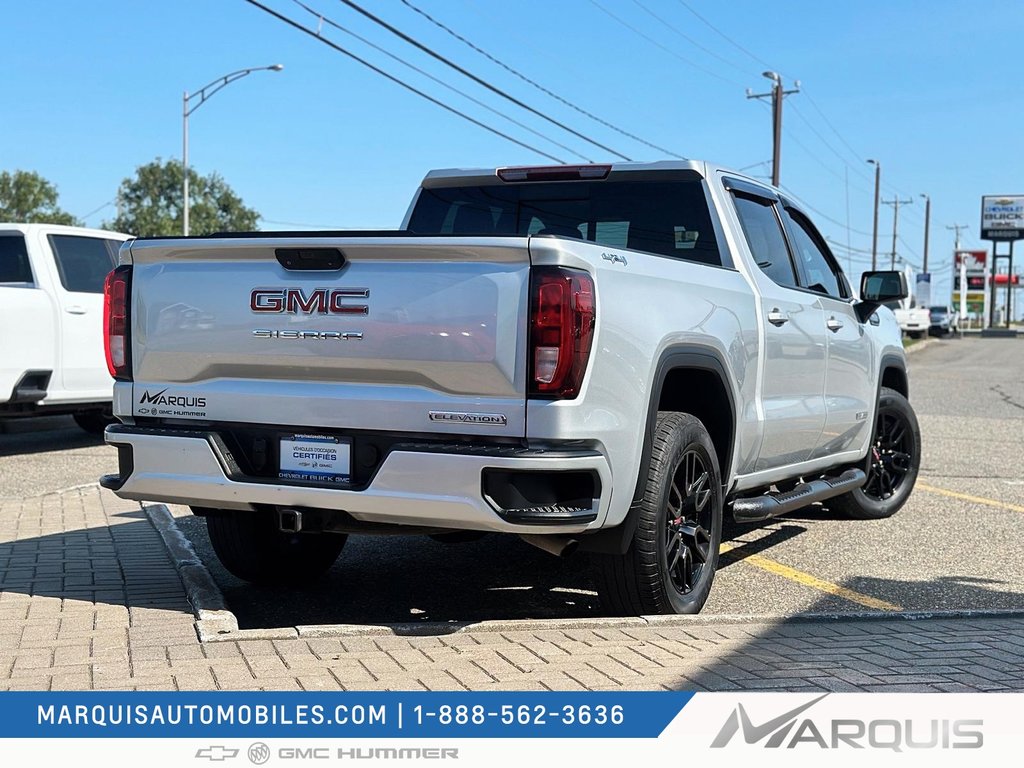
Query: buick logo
(259, 753)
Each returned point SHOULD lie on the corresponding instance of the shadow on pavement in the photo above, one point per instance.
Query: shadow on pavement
(42, 434)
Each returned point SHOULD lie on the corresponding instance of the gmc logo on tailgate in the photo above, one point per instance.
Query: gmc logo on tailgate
(319, 301)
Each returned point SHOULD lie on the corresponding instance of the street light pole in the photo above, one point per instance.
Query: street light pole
(874, 237)
(203, 94)
(927, 223)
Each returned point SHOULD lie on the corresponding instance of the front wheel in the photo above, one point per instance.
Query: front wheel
(892, 463)
(671, 560)
(252, 548)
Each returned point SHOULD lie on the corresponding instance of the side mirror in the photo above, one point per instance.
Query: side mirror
(877, 288)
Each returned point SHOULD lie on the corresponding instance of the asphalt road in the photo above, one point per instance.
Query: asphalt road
(954, 545)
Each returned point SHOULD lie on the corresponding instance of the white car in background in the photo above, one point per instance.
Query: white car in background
(51, 315)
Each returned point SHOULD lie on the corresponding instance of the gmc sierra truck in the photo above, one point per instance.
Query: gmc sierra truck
(598, 357)
(51, 313)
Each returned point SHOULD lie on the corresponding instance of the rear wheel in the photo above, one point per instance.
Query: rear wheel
(252, 548)
(671, 560)
(94, 422)
(892, 462)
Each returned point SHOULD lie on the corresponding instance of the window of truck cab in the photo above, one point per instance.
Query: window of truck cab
(666, 217)
(819, 271)
(15, 269)
(83, 262)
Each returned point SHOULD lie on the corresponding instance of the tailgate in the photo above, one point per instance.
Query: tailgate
(420, 335)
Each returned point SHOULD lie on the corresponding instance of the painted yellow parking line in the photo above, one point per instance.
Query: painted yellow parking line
(807, 580)
(967, 497)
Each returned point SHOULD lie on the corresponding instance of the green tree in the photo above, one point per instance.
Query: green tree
(152, 203)
(26, 197)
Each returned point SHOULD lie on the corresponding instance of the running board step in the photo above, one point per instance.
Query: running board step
(772, 505)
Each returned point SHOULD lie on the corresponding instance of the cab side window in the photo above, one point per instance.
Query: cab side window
(820, 272)
(14, 266)
(764, 236)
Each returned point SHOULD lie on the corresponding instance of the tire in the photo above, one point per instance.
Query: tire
(892, 463)
(94, 422)
(671, 560)
(252, 548)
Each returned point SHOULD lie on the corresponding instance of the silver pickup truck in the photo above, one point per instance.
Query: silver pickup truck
(599, 357)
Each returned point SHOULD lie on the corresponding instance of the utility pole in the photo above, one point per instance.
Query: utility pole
(927, 222)
(777, 94)
(956, 228)
(895, 203)
(963, 274)
(874, 239)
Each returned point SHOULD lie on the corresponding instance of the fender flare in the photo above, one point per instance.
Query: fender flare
(686, 356)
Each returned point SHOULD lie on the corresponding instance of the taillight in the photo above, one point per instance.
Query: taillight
(116, 340)
(562, 313)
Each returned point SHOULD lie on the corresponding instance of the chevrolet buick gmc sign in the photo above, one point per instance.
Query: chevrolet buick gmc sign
(1002, 217)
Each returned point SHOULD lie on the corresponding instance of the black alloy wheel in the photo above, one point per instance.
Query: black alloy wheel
(890, 457)
(688, 523)
(891, 465)
(669, 565)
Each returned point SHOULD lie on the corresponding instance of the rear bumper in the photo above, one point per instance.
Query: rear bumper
(433, 487)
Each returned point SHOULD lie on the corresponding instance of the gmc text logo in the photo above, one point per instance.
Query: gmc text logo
(319, 301)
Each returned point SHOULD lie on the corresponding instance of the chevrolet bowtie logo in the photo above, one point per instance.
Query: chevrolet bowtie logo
(216, 753)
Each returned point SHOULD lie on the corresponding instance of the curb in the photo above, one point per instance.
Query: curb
(213, 619)
(216, 623)
(923, 344)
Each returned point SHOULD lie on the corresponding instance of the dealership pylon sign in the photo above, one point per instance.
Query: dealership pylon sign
(1002, 220)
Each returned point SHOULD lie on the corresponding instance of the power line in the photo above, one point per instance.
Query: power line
(805, 204)
(725, 37)
(330, 22)
(535, 84)
(655, 43)
(687, 38)
(834, 151)
(392, 78)
(479, 80)
(856, 155)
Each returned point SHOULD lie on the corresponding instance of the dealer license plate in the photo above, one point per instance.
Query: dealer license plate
(315, 459)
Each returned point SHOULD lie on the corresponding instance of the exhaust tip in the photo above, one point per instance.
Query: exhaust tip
(559, 546)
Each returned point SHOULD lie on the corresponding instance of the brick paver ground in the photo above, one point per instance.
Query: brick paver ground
(89, 599)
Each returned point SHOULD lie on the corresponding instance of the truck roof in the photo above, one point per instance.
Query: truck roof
(63, 229)
(445, 176)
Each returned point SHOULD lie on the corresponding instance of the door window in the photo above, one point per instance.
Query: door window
(14, 266)
(82, 262)
(820, 272)
(765, 238)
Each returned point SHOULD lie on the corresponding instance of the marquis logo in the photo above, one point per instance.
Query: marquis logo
(789, 731)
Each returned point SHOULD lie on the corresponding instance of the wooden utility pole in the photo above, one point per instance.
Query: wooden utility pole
(874, 235)
(777, 94)
(927, 223)
(895, 203)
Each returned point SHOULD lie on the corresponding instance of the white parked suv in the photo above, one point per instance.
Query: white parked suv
(601, 357)
(51, 313)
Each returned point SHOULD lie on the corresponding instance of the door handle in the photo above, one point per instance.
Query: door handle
(76, 309)
(833, 325)
(778, 317)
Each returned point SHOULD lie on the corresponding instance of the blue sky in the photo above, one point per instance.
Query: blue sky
(931, 89)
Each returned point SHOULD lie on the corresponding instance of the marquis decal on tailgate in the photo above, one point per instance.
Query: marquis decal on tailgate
(161, 404)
